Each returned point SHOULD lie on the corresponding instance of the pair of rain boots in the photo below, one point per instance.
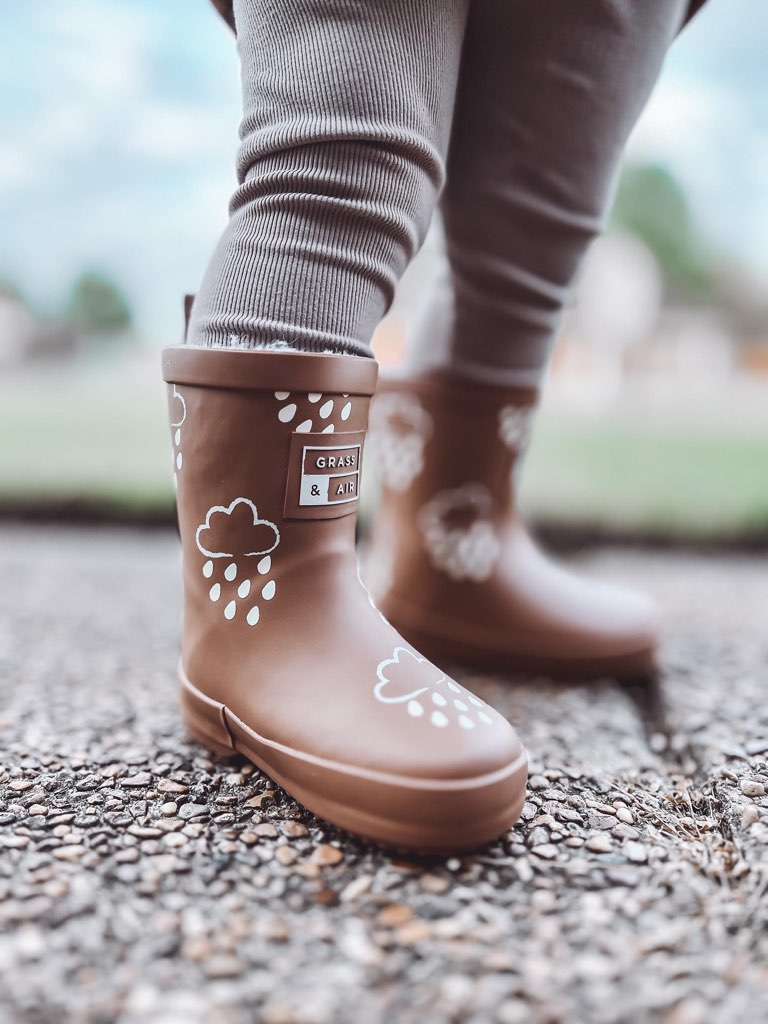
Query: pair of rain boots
(285, 657)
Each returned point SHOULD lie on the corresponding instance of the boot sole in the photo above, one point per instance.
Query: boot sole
(633, 666)
(429, 816)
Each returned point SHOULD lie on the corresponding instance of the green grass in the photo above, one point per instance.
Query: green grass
(684, 480)
(98, 434)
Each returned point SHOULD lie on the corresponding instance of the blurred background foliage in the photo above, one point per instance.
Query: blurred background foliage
(115, 175)
(652, 205)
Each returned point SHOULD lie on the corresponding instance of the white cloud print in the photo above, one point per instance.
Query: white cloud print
(236, 530)
(427, 693)
(459, 533)
(396, 677)
(180, 411)
(400, 429)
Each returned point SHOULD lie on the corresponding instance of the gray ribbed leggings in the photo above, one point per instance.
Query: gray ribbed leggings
(349, 108)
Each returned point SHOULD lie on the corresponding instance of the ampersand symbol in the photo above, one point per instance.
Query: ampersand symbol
(314, 491)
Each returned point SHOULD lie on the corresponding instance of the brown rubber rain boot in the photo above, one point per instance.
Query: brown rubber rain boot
(284, 657)
(452, 566)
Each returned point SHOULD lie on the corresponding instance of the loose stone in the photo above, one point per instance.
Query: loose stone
(599, 844)
(752, 789)
(139, 779)
(325, 855)
(69, 853)
(188, 811)
(636, 852)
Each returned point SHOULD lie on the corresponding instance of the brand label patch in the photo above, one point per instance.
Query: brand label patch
(323, 475)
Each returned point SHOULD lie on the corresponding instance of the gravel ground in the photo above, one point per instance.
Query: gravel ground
(141, 881)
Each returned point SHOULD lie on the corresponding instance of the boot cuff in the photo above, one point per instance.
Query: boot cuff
(269, 371)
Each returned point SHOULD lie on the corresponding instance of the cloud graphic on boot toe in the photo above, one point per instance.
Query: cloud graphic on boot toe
(410, 681)
(236, 530)
(403, 690)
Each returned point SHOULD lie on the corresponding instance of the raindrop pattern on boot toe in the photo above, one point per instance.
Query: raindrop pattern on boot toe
(408, 680)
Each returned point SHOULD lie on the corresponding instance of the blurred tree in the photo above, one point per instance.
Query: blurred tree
(651, 204)
(97, 307)
(8, 290)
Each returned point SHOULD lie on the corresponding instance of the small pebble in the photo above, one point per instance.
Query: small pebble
(187, 811)
(636, 852)
(169, 786)
(223, 967)
(139, 779)
(599, 844)
(69, 852)
(325, 855)
(356, 888)
(752, 789)
(547, 851)
(267, 830)
(394, 915)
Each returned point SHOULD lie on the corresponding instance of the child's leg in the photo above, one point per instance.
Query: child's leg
(347, 111)
(548, 93)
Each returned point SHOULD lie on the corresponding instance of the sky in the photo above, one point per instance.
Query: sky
(118, 131)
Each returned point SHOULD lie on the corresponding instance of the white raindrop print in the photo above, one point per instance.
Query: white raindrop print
(226, 547)
(305, 412)
(439, 719)
(415, 709)
(177, 421)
